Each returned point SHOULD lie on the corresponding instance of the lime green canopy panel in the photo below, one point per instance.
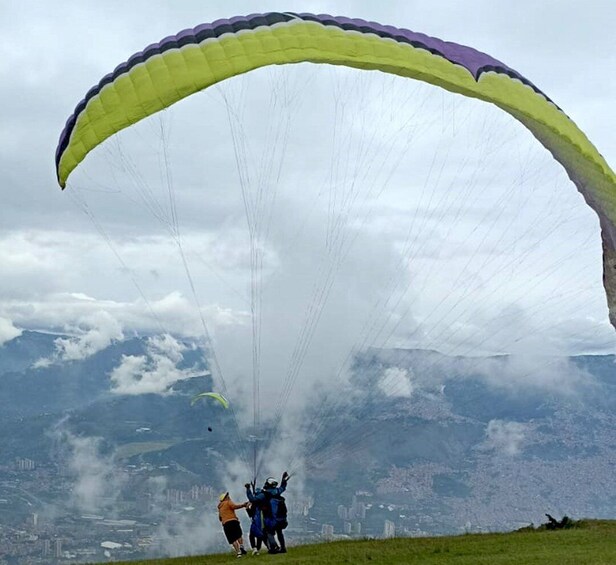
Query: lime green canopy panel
(195, 59)
(215, 395)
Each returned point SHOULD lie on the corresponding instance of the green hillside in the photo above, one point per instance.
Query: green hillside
(592, 542)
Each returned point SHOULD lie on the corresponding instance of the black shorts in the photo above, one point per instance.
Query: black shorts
(233, 530)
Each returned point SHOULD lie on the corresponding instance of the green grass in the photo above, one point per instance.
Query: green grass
(592, 542)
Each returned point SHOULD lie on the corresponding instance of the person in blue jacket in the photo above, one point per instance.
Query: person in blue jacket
(271, 503)
(257, 524)
(279, 508)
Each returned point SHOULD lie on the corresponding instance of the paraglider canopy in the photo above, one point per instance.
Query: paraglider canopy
(215, 395)
(198, 58)
(195, 59)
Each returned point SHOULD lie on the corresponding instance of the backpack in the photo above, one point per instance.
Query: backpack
(281, 510)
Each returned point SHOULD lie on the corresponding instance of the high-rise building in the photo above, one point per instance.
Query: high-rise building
(46, 548)
(58, 549)
(389, 529)
(358, 509)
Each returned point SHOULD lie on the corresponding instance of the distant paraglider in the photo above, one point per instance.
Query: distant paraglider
(215, 395)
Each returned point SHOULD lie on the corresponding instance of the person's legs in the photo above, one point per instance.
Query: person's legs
(280, 534)
(233, 531)
(256, 538)
(255, 543)
(271, 542)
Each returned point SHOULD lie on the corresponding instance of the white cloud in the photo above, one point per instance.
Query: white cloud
(191, 533)
(397, 382)
(97, 482)
(556, 374)
(96, 332)
(505, 437)
(7, 331)
(153, 372)
(74, 313)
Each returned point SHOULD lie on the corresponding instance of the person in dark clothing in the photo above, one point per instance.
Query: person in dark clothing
(272, 504)
(263, 517)
(257, 525)
(279, 509)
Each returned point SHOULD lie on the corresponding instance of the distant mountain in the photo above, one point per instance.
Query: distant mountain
(464, 441)
(431, 435)
(21, 352)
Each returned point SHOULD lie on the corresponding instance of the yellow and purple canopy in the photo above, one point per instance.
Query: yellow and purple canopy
(198, 58)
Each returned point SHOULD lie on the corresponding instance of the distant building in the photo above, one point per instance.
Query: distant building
(58, 549)
(175, 495)
(356, 528)
(201, 492)
(46, 551)
(327, 531)
(358, 510)
(24, 464)
(346, 527)
(389, 529)
(300, 507)
(144, 503)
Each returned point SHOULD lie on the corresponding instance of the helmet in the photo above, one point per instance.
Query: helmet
(270, 483)
(223, 496)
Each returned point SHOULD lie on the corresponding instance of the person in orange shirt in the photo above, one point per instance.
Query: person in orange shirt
(230, 522)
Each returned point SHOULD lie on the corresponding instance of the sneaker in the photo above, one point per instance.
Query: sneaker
(274, 550)
(243, 551)
(283, 550)
(239, 555)
(255, 551)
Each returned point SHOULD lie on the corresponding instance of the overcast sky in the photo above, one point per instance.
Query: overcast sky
(515, 267)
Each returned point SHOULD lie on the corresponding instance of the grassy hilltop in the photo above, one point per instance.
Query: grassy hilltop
(591, 542)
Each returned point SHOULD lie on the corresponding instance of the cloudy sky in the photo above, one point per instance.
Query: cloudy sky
(391, 214)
